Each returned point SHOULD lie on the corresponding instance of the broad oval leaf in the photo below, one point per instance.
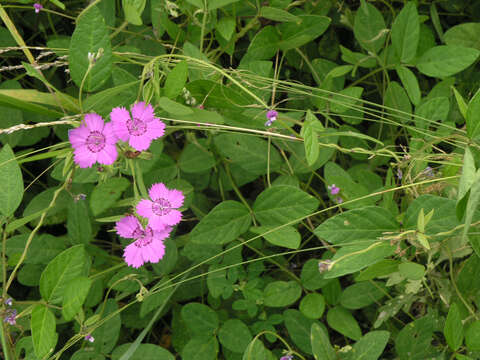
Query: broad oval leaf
(311, 27)
(369, 27)
(341, 320)
(43, 331)
(90, 35)
(200, 319)
(235, 335)
(75, 294)
(143, 352)
(11, 180)
(224, 223)
(368, 223)
(286, 236)
(65, 267)
(281, 293)
(370, 346)
(361, 294)
(463, 35)
(453, 329)
(321, 347)
(406, 32)
(282, 204)
(446, 60)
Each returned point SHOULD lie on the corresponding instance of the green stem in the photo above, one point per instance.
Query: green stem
(140, 183)
(135, 185)
(6, 349)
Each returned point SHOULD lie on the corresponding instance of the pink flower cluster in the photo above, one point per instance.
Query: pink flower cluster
(95, 141)
(161, 212)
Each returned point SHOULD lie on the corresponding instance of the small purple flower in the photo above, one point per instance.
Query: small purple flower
(79, 197)
(8, 302)
(334, 190)
(37, 7)
(428, 171)
(399, 174)
(90, 338)
(10, 316)
(271, 117)
(287, 357)
(339, 200)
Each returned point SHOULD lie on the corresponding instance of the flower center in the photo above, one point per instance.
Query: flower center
(95, 141)
(161, 207)
(142, 237)
(136, 127)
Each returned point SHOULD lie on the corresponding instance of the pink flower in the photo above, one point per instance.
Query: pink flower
(334, 190)
(271, 117)
(148, 245)
(140, 128)
(160, 211)
(37, 7)
(10, 316)
(93, 142)
(90, 338)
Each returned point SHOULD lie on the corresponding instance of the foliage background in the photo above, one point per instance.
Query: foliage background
(377, 97)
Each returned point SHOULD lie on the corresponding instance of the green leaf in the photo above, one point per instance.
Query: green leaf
(78, 223)
(463, 35)
(298, 327)
(264, 45)
(472, 336)
(106, 194)
(382, 268)
(312, 149)
(446, 60)
(370, 346)
(90, 35)
(173, 107)
(472, 205)
(368, 223)
(201, 348)
(473, 116)
(350, 259)
(200, 319)
(341, 320)
(453, 329)
(286, 236)
(410, 83)
(414, 340)
(276, 14)
(362, 294)
(103, 101)
(75, 294)
(143, 352)
(223, 224)
(226, 27)
(195, 158)
(411, 270)
(176, 80)
(312, 305)
(43, 331)
(462, 105)
(321, 347)
(249, 152)
(11, 180)
(311, 277)
(281, 293)
(346, 99)
(396, 98)
(369, 27)
(466, 181)
(235, 335)
(406, 33)
(282, 204)
(294, 35)
(133, 11)
(65, 267)
(106, 335)
(255, 351)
